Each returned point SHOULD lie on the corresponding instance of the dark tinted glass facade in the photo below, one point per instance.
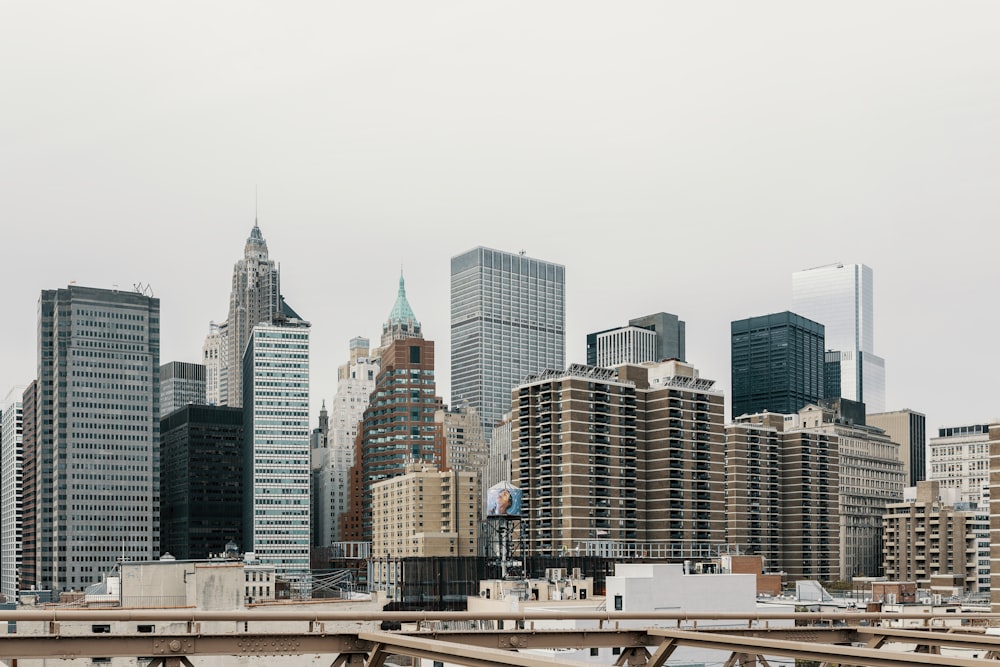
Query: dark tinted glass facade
(201, 492)
(777, 363)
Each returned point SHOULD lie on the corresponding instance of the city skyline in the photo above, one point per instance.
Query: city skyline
(671, 158)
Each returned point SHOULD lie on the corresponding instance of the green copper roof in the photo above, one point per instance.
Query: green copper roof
(401, 311)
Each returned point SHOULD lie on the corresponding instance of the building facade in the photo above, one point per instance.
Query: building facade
(621, 457)
(959, 458)
(31, 472)
(255, 298)
(654, 337)
(11, 489)
(909, 430)
(201, 487)
(777, 363)
(276, 477)
(96, 487)
(929, 536)
(213, 358)
(426, 512)
(782, 496)
(465, 444)
(841, 298)
(181, 383)
(508, 319)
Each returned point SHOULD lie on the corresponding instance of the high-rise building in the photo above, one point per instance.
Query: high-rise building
(465, 444)
(620, 457)
(654, 337)
(398, 426)
(782, 499)
(11, 484)
(426, 512)
(213, 357)
(181, 384)
(276, 472)
(29, 575)
(959, 458)
(994, 508)
(933, 534)
(97, 444)
(508, 319)
(908, 429)
(841, 298)
(201, 486)
(777, 363)
(255, 299)
(355, 383)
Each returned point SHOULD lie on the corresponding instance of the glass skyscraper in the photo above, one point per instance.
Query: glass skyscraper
(841, 298)
(777, 363)
(508, 319)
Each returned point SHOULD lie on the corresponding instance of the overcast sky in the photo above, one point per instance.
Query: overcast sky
(684, 157)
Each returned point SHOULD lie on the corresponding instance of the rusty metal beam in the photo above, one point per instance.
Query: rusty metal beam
(809, 651)
(936, 637)
(543, 638)
(431, 649)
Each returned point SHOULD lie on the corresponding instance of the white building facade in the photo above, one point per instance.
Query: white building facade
(276, 475)
(11, 465)
(213, 357)
(959, 460)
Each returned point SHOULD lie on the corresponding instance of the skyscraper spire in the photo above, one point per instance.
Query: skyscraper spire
(402, 323)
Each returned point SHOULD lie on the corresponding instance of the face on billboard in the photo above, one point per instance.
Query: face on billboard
(503, 501)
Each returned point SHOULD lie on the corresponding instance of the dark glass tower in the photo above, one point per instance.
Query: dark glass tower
(777, 363)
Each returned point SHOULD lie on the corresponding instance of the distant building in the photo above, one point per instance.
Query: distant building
(255, 298)
(11, 489)
(355, 383)
(841, 298)
(426, 512)
(398, 426)
(777, 363)
(213, 358)
(994, 506)
(959, 458)
(201, 480)
(98, 403)
(650, 338)
(181, 383)
(931, 535)
(909, 430)
(508, 319)
(276, 468)
(32, 471)
(465, 445)
(500, 457)
(586, 440)
(782, 496)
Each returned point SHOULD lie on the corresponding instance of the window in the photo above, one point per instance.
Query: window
(618, 603)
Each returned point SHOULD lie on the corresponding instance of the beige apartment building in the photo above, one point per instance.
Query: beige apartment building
(426, 512)
(782, 496)
(628, 457)
(929, 536)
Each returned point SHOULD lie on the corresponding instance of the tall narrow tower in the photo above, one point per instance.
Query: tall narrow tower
(255, 299)
(508, 319)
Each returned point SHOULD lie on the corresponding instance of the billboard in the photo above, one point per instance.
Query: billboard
(503, 499)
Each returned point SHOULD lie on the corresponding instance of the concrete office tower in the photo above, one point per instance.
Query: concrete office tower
(994, 506)
(782, 496)
(841, 298)
(871, 478)
(11, 485)
(181, 384)
(355, 383)
(959, 458)
(508, 319)
(398, 425)
(255, 298)
(426, 512)
(777, 363)
(909, 430)
(276, 448)
(201, 486)
(620, 457)
(31, 472)
(213, 357)
(97, 492)
(935, 534)
(465, 444)
(650, 338)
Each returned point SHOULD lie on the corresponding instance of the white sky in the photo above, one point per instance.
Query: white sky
(685, 157)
